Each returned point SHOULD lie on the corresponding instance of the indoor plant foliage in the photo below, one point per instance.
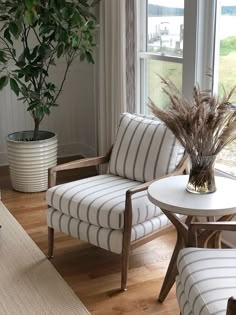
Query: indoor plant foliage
(203, 125)
(34, 34)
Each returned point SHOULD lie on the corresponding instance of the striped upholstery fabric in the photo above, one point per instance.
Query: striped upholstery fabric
(207, 278)
(108, 239)
(100, 200)
(183, 302)
(144, 149)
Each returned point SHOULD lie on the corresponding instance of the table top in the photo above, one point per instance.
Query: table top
(170, 194)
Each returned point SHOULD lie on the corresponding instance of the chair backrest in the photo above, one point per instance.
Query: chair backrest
(144, 149)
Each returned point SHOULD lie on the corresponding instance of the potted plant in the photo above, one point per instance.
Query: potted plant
(34, 35)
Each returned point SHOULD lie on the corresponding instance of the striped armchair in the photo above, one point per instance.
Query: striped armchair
(112, 211)
(206, 283)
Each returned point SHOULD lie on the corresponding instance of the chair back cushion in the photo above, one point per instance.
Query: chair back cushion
(144, 149)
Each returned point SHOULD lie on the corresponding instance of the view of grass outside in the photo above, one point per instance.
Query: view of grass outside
(165, 38)
(226, 160)
(170, 70)
(227, 67)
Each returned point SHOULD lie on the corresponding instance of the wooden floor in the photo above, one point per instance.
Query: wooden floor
(93, 273)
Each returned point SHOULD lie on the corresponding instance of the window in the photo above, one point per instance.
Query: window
(183, 40)
(165, 47)
(225, 70)
(161, 48)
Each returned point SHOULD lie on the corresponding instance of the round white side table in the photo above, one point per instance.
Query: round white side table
(171, 196)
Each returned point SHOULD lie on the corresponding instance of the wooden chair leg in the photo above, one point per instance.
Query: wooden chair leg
(126, 240)
(50, 242)
(125, 267)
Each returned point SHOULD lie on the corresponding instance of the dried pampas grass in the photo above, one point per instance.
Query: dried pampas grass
(203, 125)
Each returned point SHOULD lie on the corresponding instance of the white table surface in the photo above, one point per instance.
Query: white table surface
(170, 194)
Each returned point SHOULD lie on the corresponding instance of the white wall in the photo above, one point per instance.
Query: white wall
(73, 120)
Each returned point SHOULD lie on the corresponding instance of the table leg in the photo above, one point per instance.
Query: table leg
(172, 269)
(182, 236)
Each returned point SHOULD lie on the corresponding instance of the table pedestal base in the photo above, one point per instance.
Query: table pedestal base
(202, 240)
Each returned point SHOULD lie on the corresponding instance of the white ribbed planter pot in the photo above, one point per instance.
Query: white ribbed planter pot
(29, 161)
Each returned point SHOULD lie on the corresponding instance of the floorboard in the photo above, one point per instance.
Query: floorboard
(93, 273)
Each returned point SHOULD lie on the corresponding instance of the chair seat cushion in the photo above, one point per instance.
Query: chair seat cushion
(108, 239)
(100, 200)
(208, 278)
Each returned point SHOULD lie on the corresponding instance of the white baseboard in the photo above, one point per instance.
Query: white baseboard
(64, 150)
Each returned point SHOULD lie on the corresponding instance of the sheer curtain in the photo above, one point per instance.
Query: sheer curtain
(115, 67)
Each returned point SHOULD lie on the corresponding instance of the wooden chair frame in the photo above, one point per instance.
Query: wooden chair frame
(196, 228)
(127, 244)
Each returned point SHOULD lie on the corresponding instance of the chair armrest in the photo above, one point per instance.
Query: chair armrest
(208, 226)
(139, 188)
(213, 226)
(86, 162)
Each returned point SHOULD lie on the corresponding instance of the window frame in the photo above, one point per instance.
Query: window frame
(196, 60)
(200, 31)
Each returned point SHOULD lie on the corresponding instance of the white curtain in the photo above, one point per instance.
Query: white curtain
(111, 71)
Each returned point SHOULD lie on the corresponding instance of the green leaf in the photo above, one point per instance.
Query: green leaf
(20, 64)
(27, 78)
(89, 57)
(42, 51)
(33, 105)
(39, 113)
(75, 41)
(3, 81)
(2, 57)
(76, 18)
(20, 75)
(28, 18)
(46, 110)
(27, 53)
(60, 50)
(59, 4)
(22, 57)
(34, 53)
(13, 29)
(29, 4)
(14, 86)
(91, 24)
(7, 36)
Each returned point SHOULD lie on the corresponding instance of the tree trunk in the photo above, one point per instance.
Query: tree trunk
(36, 129)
